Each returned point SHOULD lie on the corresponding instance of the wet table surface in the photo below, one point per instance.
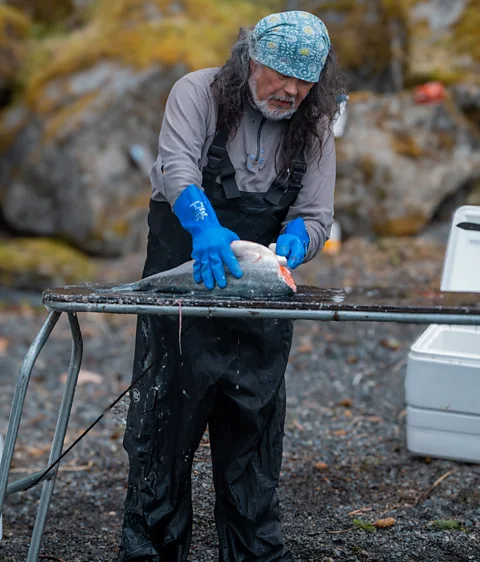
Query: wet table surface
(413, 300)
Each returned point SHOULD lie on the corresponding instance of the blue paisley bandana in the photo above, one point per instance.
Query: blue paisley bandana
(292, 43)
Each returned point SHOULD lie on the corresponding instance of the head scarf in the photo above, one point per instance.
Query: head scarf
(293, 43)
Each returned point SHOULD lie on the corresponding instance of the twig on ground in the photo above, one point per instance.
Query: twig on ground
(425, 494)
(397, 506)
(399, 366)
(48, 557)
(361, 510)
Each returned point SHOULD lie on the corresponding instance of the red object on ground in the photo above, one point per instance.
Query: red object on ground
(430, 92)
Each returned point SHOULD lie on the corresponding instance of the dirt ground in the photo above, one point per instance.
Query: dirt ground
(346, 465)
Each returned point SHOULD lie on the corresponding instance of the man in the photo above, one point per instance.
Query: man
(245, 151)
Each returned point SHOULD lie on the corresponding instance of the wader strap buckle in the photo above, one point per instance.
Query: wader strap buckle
(292, 183)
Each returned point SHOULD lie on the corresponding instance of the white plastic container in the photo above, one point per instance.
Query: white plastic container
(442, 385)
(461, 269)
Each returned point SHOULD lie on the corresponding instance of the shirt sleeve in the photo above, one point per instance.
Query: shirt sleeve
(315, 200)
(182, 136)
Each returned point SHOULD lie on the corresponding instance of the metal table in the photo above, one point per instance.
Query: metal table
(408, 305)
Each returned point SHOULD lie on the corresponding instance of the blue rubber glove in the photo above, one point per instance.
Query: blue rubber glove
(293, 243)
(210, 240)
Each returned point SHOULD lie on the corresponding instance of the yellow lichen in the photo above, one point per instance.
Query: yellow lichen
(68, 118)
(402, 226)
(13, 31)
(120, 227)
(45, 11)
(46, 258)
(13, 23)
(405, 144)
(199, 36)
(367, 165)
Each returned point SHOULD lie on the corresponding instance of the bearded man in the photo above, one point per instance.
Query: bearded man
(245, 151)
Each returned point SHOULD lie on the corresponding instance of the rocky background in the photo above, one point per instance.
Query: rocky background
(82, 89)
(83, 85)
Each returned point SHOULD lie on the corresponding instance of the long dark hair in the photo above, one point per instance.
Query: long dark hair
(302, 130)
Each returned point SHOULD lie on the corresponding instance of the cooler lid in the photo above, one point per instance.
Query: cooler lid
(461, 268)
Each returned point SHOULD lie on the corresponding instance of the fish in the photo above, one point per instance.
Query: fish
(265, 275)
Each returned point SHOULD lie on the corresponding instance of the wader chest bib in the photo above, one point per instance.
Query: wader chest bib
(229, 374)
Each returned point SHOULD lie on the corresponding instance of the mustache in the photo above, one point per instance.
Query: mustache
(288, 99)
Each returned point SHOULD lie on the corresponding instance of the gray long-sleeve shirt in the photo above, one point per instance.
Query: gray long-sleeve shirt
(188, 130)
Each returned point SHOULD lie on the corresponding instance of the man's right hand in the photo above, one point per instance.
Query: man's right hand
(211, 242)
(212, 252)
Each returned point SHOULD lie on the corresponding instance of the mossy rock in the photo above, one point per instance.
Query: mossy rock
(124, 31)
(38, 263)
(449, 54)
(14, 29)
(362, 35)
(45, 11)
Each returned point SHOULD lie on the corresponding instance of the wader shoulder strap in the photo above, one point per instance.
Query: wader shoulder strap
(219, 164)
(292, 183)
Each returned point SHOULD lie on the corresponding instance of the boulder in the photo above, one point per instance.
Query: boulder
(398, 161)
(467, 97)
(91, 100)
(69, 172)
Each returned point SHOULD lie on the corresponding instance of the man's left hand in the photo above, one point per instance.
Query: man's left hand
(293, 243)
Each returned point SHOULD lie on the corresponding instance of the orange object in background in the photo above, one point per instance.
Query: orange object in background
(334, 243)
(430, 92)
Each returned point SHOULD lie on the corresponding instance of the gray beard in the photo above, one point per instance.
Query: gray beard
(262, 105)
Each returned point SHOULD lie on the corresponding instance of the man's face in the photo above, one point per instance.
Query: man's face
(277, 96)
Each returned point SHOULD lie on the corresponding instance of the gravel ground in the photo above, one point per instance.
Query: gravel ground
(346, 465)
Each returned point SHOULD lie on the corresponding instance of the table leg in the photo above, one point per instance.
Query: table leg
(19, 399)
(59, 437)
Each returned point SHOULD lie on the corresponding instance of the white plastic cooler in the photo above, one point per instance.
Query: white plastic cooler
(442, 384)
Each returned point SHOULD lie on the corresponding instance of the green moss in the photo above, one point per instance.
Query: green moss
(45, 258)
(364, 525)
(448, 525)
(446, 76)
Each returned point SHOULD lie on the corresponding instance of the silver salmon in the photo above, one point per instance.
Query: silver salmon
(264, 275)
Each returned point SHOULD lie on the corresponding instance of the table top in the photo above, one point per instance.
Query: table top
(308, 302)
